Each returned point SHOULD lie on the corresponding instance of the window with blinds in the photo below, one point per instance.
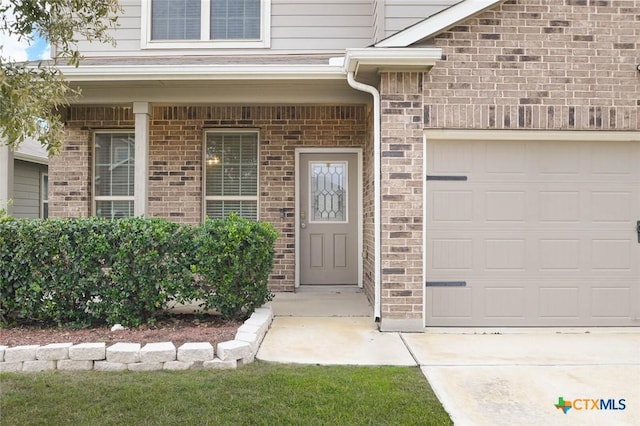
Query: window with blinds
(175, 19)
(231, 174)
(235, 19)
(113, 174)
(217, 20)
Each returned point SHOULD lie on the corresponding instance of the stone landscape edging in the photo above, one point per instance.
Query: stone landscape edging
(135, 357)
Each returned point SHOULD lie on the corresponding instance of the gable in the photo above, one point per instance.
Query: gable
(437, 23)
(538, 64)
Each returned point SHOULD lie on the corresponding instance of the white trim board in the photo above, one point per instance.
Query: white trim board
(540, 135)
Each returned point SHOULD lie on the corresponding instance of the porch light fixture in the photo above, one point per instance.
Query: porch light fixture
(212, 161)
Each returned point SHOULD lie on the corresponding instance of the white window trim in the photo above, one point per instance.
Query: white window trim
(204, 43)
(44, 196)
(206, 197)
(95, 198)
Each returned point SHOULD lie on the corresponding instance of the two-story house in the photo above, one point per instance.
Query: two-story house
(467, 163)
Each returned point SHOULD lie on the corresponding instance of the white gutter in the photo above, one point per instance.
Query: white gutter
(376, 188)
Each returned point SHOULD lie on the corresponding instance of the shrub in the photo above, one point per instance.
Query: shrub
(234, 259)
(89, 271)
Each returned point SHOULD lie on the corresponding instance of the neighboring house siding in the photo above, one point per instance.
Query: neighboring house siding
(26, 189)
(400, 14)
(536, 64)
(175, 165)
(296, 26)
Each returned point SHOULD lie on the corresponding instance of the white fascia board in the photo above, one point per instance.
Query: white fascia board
(202, 72)
(30, 158)
(437, 23)
(400, 57)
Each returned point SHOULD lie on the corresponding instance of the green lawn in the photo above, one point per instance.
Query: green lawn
(256, 394)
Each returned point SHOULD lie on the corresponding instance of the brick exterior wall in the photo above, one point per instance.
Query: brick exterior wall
(402, 182)
(175, 163)
(525, 64)
(70, 187)
(539, 64)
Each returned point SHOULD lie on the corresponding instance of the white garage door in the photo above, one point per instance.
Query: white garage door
(533, 233)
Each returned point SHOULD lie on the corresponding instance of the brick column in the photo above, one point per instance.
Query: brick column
(402, 201)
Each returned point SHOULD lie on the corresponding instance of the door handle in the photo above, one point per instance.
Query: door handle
(303, 225)
(638, 230)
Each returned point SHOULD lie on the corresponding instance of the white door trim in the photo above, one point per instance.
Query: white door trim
(334, 150)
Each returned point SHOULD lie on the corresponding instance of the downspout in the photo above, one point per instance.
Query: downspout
(376, 189)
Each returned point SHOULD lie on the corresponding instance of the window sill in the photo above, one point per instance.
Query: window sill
(205, 44)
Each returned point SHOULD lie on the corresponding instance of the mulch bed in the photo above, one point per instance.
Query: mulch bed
(176, 328)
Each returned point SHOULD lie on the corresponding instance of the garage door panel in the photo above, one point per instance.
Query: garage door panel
(452, 254)
(446, 304)
(500, 302)
(453, 158)
(559, 159)
(612, 158)
(505, 206)
(559, 302)
(559, 254)
(559, 206)
(452, 206)
(610, 206)
(504, 254)
(611, 302)
(505, 158)
(543, 233)
(611, 254)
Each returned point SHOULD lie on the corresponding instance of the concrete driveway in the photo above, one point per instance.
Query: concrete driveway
(517, 377)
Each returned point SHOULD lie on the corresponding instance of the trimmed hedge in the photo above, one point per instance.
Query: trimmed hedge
(82, 272)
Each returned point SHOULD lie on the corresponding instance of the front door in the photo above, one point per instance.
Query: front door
(328, 209)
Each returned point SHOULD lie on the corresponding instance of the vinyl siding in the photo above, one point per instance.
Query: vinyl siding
(400, 14)
(297, 26)
(378, 20)
(26, 189)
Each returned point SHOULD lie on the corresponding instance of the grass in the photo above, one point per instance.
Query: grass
(257, 394)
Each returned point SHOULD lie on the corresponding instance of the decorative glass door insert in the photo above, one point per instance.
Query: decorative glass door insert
(328, 191)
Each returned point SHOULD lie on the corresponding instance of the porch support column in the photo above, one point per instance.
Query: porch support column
(141, 111)
(6, 176)
(402, 172)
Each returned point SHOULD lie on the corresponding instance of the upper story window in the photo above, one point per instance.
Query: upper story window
(202, 24)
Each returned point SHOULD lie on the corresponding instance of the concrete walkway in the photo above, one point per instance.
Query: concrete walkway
(332, 341)
(482, 377)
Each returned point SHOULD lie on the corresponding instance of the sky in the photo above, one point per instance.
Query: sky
(23, 50)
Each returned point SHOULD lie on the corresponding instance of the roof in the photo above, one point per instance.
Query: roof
(437, 23)
(31, 150)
